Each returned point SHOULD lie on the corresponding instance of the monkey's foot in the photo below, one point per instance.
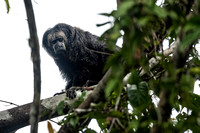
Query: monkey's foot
(71, 93)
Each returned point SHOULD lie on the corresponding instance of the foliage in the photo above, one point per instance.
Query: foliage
(144, 26)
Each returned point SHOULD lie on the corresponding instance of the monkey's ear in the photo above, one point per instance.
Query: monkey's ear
(45, 43)
(45, 39)
(69, 31)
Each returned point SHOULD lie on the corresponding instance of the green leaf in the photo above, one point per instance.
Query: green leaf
(195, 100)
(173, 15)
(7, 6)
(191, 101)
(88, 130)
(180, 117)
(189, 39)
(160, 11)
(177, 107)
(110, 87)
(194, 21)
(195, 70)
(74, 120)
(187, 83)
(115, 114)
(133, 124)
(60, 108)
(134, 79)
(142, 21)
(138, 95)
(101, 123)
(124, 7)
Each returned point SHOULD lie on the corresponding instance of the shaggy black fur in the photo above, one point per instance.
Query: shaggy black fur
(79, 55)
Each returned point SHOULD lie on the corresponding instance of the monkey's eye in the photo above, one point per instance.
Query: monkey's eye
(53, 42)
(60, 39)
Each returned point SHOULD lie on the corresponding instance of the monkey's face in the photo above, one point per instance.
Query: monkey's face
(56, 42)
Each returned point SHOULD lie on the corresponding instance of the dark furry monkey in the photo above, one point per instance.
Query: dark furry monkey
(79, 55)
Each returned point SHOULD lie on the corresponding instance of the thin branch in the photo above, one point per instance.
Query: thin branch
(116, 107)
(34, 44)
(9, 103)
(98, 92)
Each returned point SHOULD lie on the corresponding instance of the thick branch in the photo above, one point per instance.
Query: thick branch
(18, 117)
(98, 92)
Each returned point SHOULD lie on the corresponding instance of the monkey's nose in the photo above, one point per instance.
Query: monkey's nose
(58, 47)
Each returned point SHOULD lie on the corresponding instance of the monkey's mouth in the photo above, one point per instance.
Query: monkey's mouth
(59, 51)
(59, 48)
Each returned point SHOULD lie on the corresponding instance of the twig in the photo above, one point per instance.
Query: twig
(9, 103)
(114, 119)
(120, 124)
(84, 88)
(53, 121)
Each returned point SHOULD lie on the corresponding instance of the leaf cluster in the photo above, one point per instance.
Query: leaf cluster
(146, 29)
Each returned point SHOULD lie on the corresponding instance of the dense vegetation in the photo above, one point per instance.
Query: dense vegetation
(153, 74)
(148, 28)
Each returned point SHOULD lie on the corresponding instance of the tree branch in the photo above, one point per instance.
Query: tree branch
(34, 44)
(96, 95)
(18, 117)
